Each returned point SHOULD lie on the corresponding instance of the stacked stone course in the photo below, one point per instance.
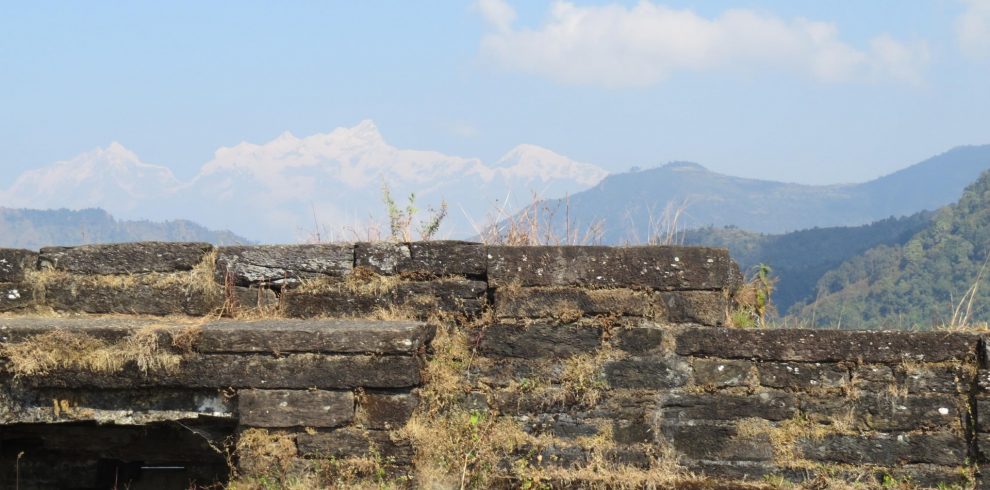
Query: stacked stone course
(599, 354)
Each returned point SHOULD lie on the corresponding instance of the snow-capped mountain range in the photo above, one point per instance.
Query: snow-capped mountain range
(278, 191)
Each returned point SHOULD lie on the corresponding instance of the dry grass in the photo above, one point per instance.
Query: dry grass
(199, 281)
(542, 222)
(61, 350)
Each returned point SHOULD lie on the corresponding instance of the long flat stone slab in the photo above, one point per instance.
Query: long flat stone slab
(293, 371)
(282, 264)
(652, 267)
(321, 335)
(125, 258)
(239, 336)
(827, 345)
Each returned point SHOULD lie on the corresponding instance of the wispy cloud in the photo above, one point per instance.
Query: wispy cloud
(973, 29)
(612, 45)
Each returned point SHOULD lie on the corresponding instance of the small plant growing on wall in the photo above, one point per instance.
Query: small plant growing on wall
(400, 220)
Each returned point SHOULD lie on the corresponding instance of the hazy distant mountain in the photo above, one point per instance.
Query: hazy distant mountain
(939, 273)
(33, 229)
(799, 259)
(279, 190)
(629, 204)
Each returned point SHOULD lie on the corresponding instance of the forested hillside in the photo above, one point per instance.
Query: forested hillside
(923, 283)
(33, 228)
(799, 259)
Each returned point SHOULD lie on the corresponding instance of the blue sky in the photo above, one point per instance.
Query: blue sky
(805, 91)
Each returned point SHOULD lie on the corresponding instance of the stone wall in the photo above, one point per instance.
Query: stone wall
(456, 363)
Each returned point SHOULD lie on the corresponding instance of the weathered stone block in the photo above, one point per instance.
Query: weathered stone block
(721, 373)
(15, 296)
(923, 379)
(827, 345)
(248, 298)
(562, 425)
(634, 431)
(125, 258)
(427, 259)
(25, 405)
(803, 376)
(663, 268)
(328, 336)
(448, 295)
(640, 339)
(888, 449)
(385, 410)
(350, 442)
(982, 415)
(561, 302)
(295, 408)
(647, 372)
(83, 294)
(884, 412)
(703, 307)
(421, 298)
(872, 378)
(13, 263)
(716, 441)
(339, 304)
(537, 341)
(381, 257)
(282, 264)
(769, 405)
(294, 371)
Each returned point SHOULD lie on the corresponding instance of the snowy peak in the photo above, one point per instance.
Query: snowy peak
(534, 162)
(105, 177)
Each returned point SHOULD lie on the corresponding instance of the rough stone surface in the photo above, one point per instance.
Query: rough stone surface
(541, 302)
(662, 268)
(640, 339)
(935, 379)
(716, 441)
(15, 296)
(647, 373)
(827, 345)
(349, 442)
(383, 410)
(294, 371)
(421, 297)
(248, 298)
(328, 336)
(538, 340)
(886, 413)
(888, 449)
(722, 373)
(803, 376)
(439, 258)
(125, 258)
(13, 263)
(768, 405)
(21, 405)
(79, 293)
(295, 408)
(282, 264)
(701, 307)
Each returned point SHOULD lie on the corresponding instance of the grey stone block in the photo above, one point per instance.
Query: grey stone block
(827, 345)
(282, 265)
(13, 263)
(295, 408)
(661, 268)
(125, 258)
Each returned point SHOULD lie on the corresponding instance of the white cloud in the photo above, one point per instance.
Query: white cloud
(973, 29)
(498, 13)
(613, 45)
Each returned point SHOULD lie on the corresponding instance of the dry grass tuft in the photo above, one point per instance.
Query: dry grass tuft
(61, 350)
